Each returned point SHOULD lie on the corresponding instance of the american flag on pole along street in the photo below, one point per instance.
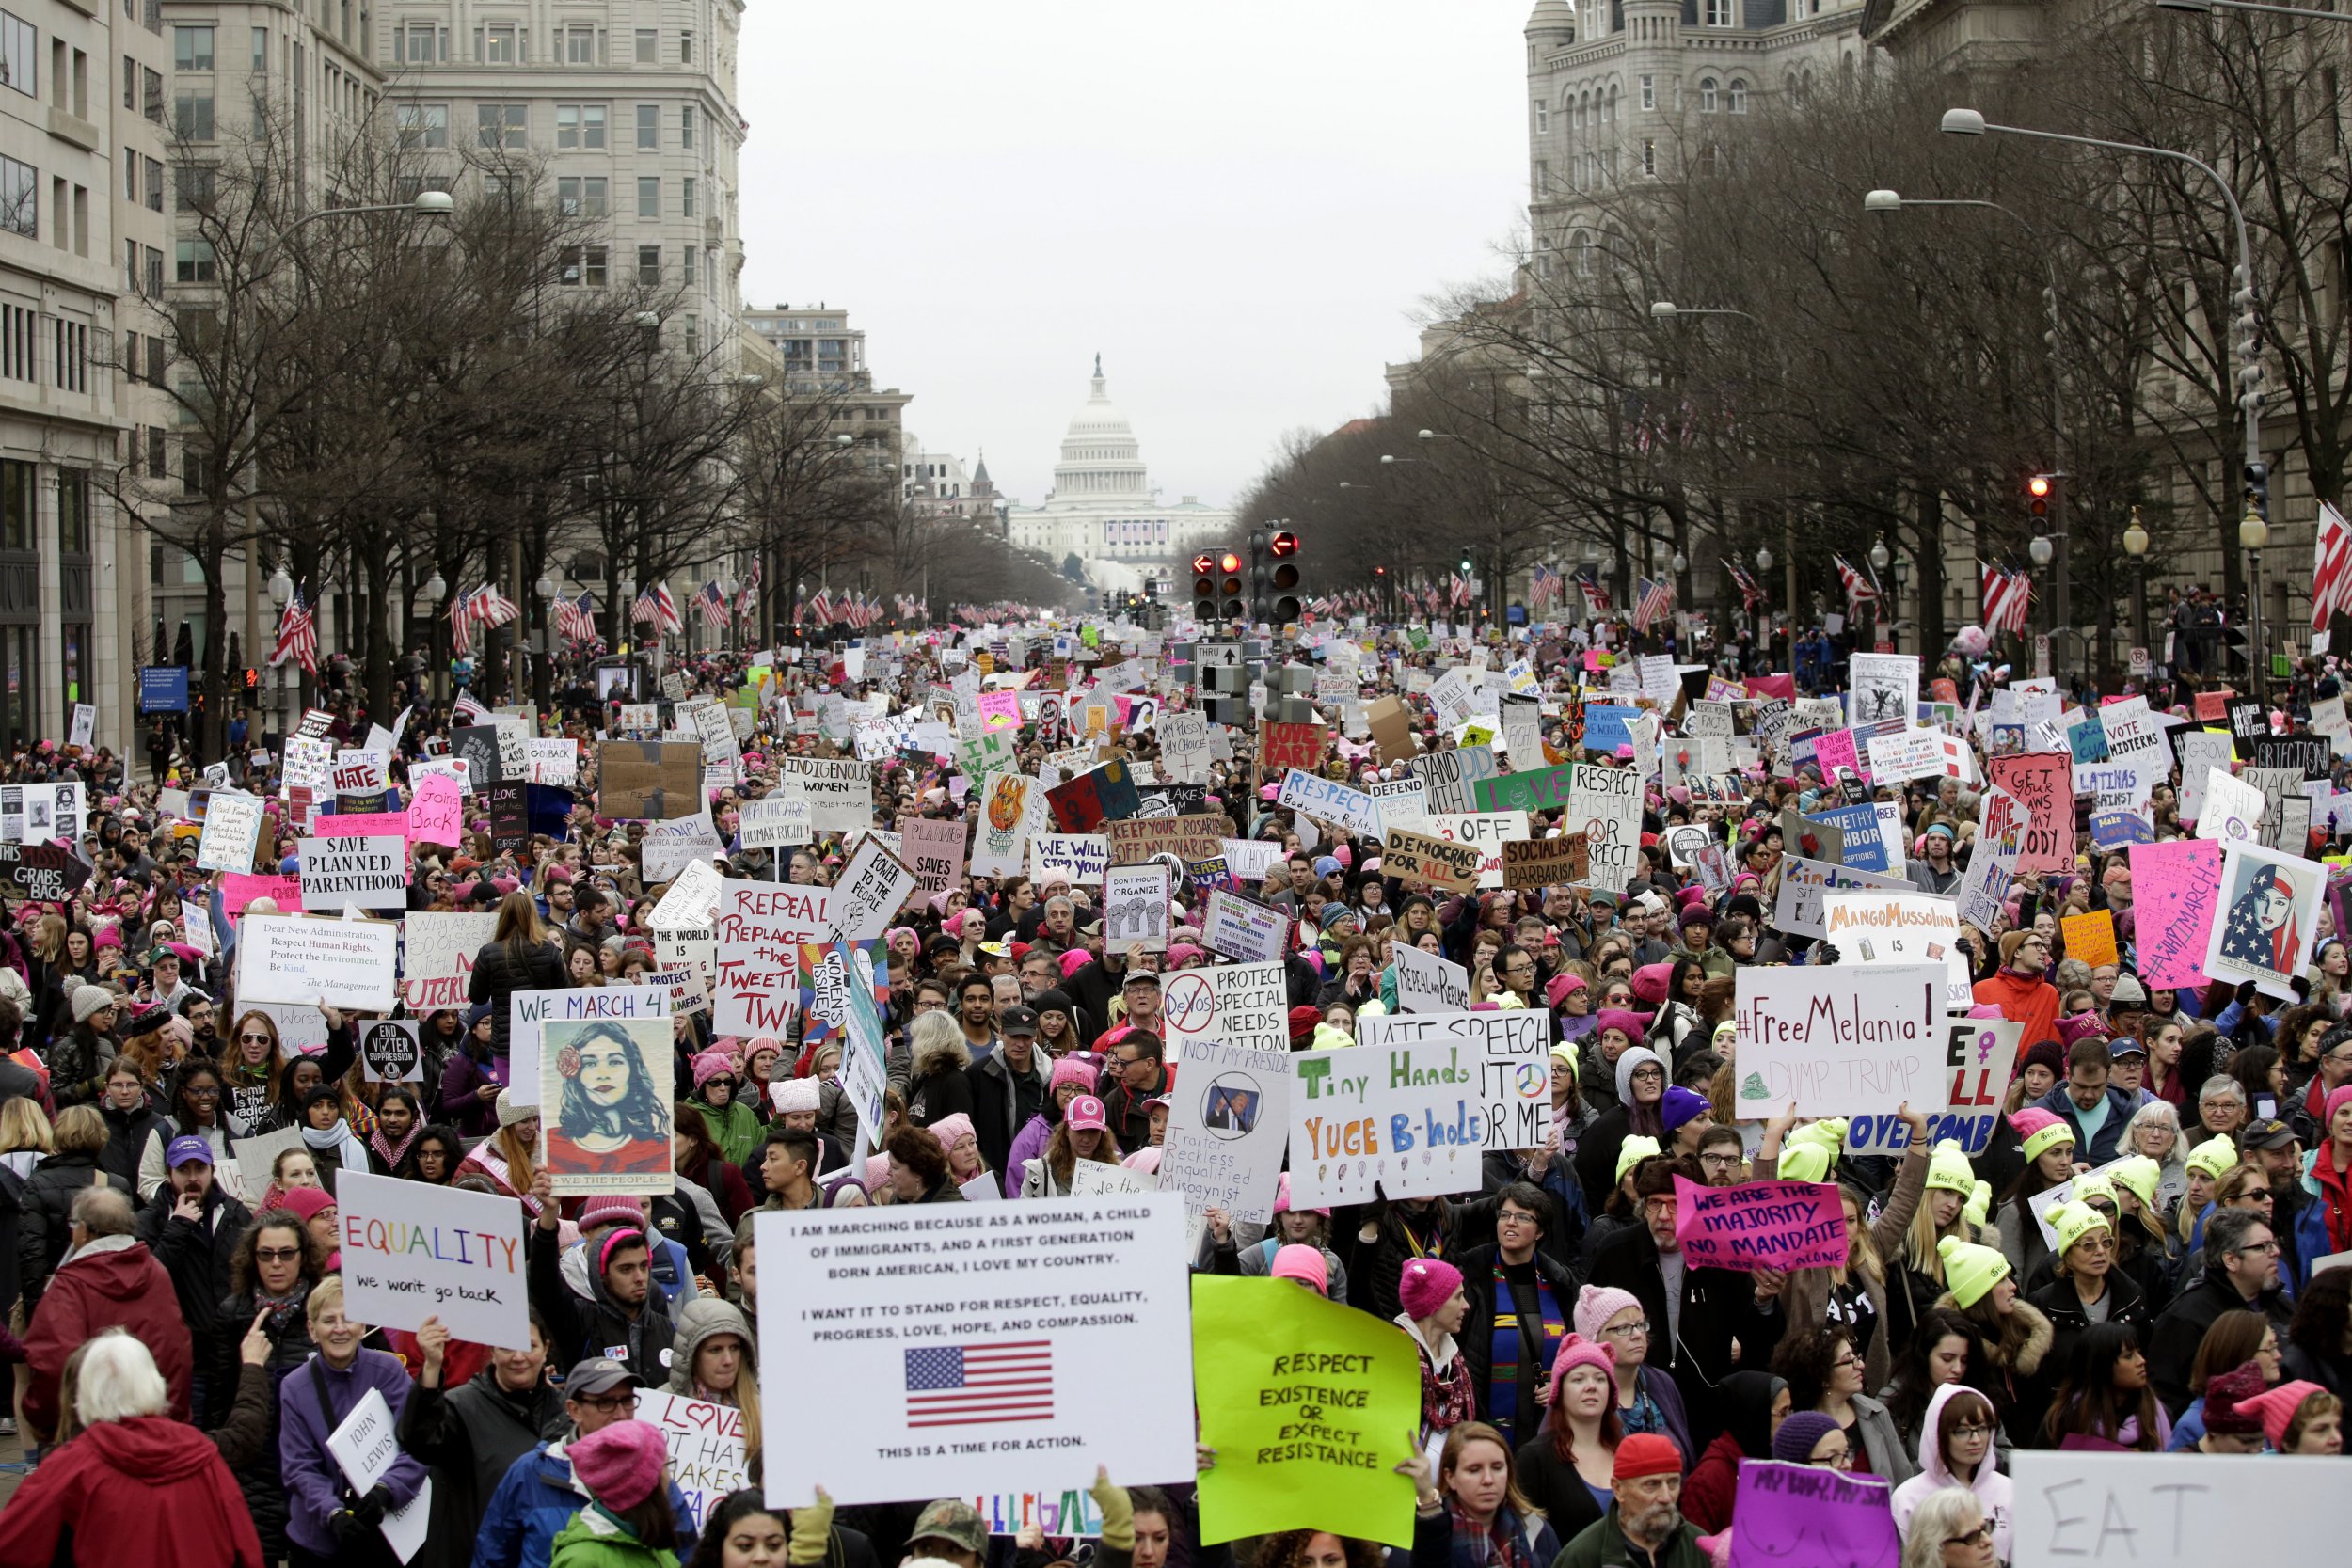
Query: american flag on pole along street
(1860, 590)
(576, 619)
(2331, 567)
(298, 635)
(981, 1383)
(1596, 596)
(1652, 601)
(656, 607)
(2003, 598)
(710, 603)
(1751, 591)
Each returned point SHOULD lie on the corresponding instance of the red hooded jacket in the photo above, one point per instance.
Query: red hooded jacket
(2027, 999)
(148, 1490)
(106, 1286)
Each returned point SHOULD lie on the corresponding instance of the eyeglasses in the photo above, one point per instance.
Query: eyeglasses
(2260, 1249)
(1980, 1536)
(1841, 1460)
(606, 1403)
(277, 1254)
(253, 1039)
(1849, 1359)
(1629, 1331)
(1970, 1431)
(1515, 1216)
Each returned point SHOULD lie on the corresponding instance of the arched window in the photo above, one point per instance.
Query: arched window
(1583, 254)
(1738, 96)
(1706, 95)
(1613, 104)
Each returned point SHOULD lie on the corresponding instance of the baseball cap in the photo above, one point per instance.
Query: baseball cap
(185, 1150)
(1017, 1020)
(598, 1374)
(1141, 977)
(2269, 1133)
(1085, 1111)
(2125, 1045)
(954, 1521)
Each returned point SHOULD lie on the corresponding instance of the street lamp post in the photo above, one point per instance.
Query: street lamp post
(1763, 564)
(2040, 552)
(280, 590)
(2253, 534)
(2135, 545)
(1881, 613)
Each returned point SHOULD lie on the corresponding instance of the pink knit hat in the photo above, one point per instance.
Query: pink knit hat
(1426, 1285)
(712, 1064)
(1576, 1351)
(2335, 1102)
(620, 1464)
(1558, 987)
(1080, 1070)
(1597, 1304)
(2276, 1406)
(1303, 1264)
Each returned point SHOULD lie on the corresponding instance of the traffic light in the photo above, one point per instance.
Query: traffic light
(2038, 500)
(2258, 489)
(1228, 568)
(1468, 565)
(1204, 587)
(1285, 609)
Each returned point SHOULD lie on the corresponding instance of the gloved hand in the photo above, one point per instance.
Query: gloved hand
(344, 1526)
(1118, 1512)
(812, 1527)
(370, 1509)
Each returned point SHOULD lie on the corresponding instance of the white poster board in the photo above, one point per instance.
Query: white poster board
(706, 1449)
(759, 930)
(528, 1012)
(2082, 1509)
(351, 964)
(1228, 1126)
(371, 873)
(232, 826)
(411, 1252)
(365, 1446)
(1243, 1004)
(1426, 983)
(1885, 926)
(1412, 1109)
(1839, 1041)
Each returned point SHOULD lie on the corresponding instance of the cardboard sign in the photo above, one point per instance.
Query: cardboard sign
(1837, 1041)
(413, 1252)
(1241, 1005)
(1435, 860)
(1196, 838)
(1229, 1124)
(46, 872)
(1412, 1109)
(1426, 983)
(350, 964)
(388, 1052)
(1450, 778)
(649, 781)
(364, 1447)
(897, 1425)
(1242, 928)
(1485, 831)
(1281, 747)
(1538, 862)
(1760, 1225)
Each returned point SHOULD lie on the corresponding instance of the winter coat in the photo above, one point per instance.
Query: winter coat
(2030, 1000)
(314, 1483)
(535, 1501)
(113, 1282)
(1718, 1306)
(289, 1346)
(149, 1490)
(941, 1093)
(1553, 1485)
(497, 976)
(195, 1254)
(2004, 1381)
(596, 1324)
(78, 1060)
(44, 1230)
(455, 1102)
(2126, 1303)
(1890, 1461)
(596, 1539)
(734, 1127)
(1805, 1299)
(127, 1136)
(222, 1136)
(1477, 1335)
(1435, 1546)
(470, 1436)
(2181, 1328)
(996, 1113)
(2107, 1145)
(1598, 1546)
(1027, 1145)
(1995, 1495)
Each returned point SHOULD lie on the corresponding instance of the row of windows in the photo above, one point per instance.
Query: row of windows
(1585, 111)
(579, 127)
(69, 344)
(509, 43)
(588, 197)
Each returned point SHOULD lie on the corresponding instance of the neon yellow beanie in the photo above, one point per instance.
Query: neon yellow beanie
(1632, 1151)
(1804, 1162)
(1970, 1270)
(2215, 1157)
(2090, 1184)
(1979, 1204)
(2072, 1221)
(1949, 1168)
(2138, 1176)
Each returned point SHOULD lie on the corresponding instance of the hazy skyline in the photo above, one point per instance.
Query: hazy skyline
(1241, 206)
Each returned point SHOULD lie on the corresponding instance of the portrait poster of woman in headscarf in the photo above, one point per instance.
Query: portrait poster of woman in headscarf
(2266, 920)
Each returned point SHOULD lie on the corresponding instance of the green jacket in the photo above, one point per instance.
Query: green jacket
(1598, 1546)
(736, 1130)
(595, 1539)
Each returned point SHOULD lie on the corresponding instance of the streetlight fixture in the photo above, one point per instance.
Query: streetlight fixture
(2253, 534)
(2040, 550)
(1879, 556)
(280, 586)
(426, 204)
(1666, 310)
(2135, 545)
(1764, 558)
(435, 588)
(545, 586)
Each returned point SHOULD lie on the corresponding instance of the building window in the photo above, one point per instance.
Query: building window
(685, 126)
(1649, 93)
(580, 46)
(495, 45)
(649, 195)
(648, 127)
(194, 262)
(192, 115)
(1718, 13)
(20, 54)
(131, 281)
(17, 325)
(1706, 95)
(131, 178)
(130, 84)
(195, 188)
(567, 195)
(650, 265)
(72, 355)
(584, 265)
(154, 96)
(1649, 157)
(686, 47)
(1738, 96)
(158, 455)
(73, 511)
(685, 262)
(20, 198)
(693, 337)
(648, 46)
(686, 185)
(1542, 180)
(499, 124)
(192, 49)
(423, 124)
(1542, 117)
(155, 259)
(260, 48)
(155, 171)
(579, 126)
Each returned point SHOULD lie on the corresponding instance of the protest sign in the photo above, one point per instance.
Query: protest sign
(778, 821)
(605, 1104)
(1488, 831)
(759, 929)
(705, 1449)
(1312, 794)
(935, 851)
(345, 963)
(2044, 783)
(371, 873)
(840, 791)
(1310, 1405)
(1535, 863)
(1450, 778)
(1065, 1513)
(1243, 1004)
(1979, 1058)
(1426, 983)
(414, 1252)
(2233, 810)
(1079, 858)
(1435, 860)
(1884, 926)
(364, 1447)
(2176, 886)
(437, 811)
(1242, 928)
(647, 780)
(869, 892)
(672, 848)
(388, 1050)
(1529, 789)
(528, 1012)
(1229, 1123)
(1281, 747)
(829, 973)
(2083, 1510)
(238, 890)
(232, 826)
(1605, 805)
(2202, 753)
(895, 1318)
(1760, 1225)
(1804, 884)
(1100, 795)
(2266, 919)
(49, 873)
(1993, 863)
(1839, 1041)
(2090, 937)
(1008, 809)
(1820, 1517)
(1135, 908)
(691, 896)
(1413, 1106)
(1196, 838)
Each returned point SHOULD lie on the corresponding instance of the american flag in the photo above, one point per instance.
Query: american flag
(490, 608)
(2003, 598)
(980, 1384)
(298, 635)
(2331, 567)
(1596, 596)
(658, 610)
(1860, 588)
(710, 603)
(1652, 602)
(1751, 591)
(820, 609)
(461, 626)
(1543, 583)
(576, 619)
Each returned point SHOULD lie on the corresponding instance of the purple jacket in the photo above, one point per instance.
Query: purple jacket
(458, 1106)
(314, 1483)
(1027, 1145)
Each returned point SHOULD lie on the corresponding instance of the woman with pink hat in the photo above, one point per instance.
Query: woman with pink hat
(1085, 1133)
(627, 1523)
(1433, 1307)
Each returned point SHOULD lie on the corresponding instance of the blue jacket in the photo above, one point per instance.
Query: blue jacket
(2309, 1241)
(2109, 1145)
(535, 1501)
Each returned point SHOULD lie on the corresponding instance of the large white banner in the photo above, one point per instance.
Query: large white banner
(961, 1347)
(1840, 1040)
(343, 963)
(2084, 1509)
(437, 963)
(413, 1252)
(1228, 1127)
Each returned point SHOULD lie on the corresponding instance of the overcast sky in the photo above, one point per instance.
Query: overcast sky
(1241, 203)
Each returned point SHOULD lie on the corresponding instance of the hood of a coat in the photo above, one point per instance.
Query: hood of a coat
(153, 1447)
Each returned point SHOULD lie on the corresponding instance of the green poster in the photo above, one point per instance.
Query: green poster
(1310, 1405)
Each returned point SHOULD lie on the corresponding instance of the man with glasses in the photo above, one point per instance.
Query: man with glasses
(1514, 1285)
(2241, 1276)
(1141, 1076)
(538, 1495)
(2020, 990)
(2335, 1071)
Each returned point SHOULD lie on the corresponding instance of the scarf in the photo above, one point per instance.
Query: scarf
(1499, 1544)
(337, 1139)
(391, 1153)
(1503, 1393)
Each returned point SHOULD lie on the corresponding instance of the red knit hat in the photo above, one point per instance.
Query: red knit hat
(1646, 1453)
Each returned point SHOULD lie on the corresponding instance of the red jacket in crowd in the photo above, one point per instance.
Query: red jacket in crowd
(106, 1286)
(148, 1490)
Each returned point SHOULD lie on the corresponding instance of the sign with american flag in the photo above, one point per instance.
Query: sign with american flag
(980, 1384)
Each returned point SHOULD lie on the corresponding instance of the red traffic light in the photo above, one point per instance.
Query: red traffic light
(1202, 563)
(2038, 487)
(1283, 543)
(1229, 561)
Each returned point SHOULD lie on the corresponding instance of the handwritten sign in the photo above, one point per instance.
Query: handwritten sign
(1842, 1521)
(232, 826)
(413, 1252)
(2176, 886)
(706, 1447)
(1412, 1107)
(1534, 863)
(1229, 1122)
(1760, 1225)
(1837, 1041)
(1426, 983)
(1433, 860)
(2044, 783)
(760, 928)
(2091, 937)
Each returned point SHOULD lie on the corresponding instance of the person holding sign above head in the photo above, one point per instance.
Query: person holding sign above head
(623, 1316)
(470, 1436)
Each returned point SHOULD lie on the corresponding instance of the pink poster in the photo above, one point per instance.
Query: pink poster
(2043, 784)
(1833, 749)
(2174, 887)
(237, 890)
(1760, 1225)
